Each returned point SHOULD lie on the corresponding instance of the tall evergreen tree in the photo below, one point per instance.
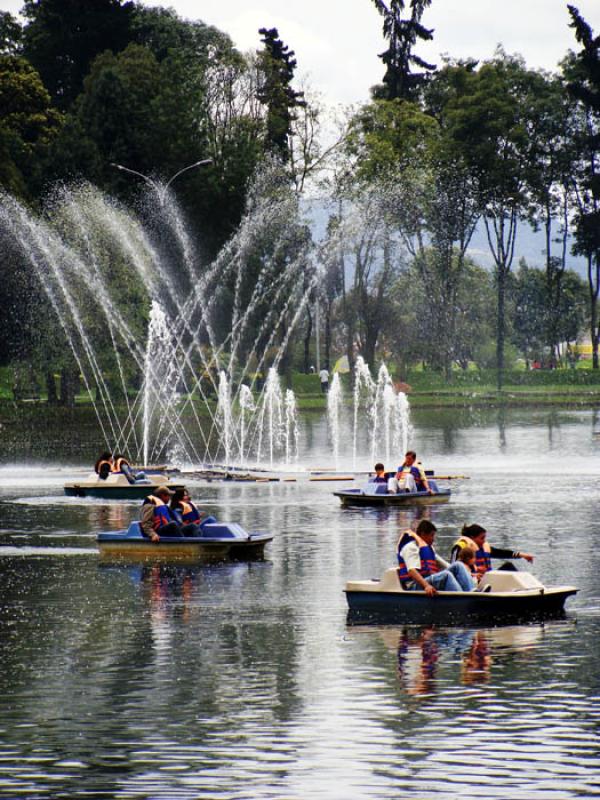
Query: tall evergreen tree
(402, 35)
(277, 65)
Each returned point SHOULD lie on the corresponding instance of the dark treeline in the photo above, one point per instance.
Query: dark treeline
(439, 151)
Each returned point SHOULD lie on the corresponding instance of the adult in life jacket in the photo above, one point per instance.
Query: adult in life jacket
(186, 513)
(421, 568)
(411, 476)
(120, 464)
(156, 519)
(104, 465)
(475, 537)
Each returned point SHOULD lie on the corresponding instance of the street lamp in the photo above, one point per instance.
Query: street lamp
(160, 190)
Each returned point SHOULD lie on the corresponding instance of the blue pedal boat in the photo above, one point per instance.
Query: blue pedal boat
(377, 494)
(502, 597)
(216, 541)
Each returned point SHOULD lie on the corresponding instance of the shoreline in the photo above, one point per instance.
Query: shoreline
(510, 397)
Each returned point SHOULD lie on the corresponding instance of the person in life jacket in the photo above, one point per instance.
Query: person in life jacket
(421, 568)
(379, 474)
(185, 512)
(156, 519)
(120, 464)
(104, 465)
(411, 476)
(475, 537)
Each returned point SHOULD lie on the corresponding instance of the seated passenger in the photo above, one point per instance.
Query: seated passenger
(156, 519)
(411, 476)
(186, 513)
(120, 464)
(475, 538)
(379, 474)
(467, 557)
(421, 568)
(104, 465)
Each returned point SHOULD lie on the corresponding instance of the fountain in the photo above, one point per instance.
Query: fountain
(380, 414)
(138, 308)
(335, 409)
(143, 317)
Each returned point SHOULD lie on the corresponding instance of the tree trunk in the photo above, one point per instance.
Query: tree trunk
(328, 336)
(67, 388)
(51, 388)
(594, 287)
(501, 327)
(307, 337)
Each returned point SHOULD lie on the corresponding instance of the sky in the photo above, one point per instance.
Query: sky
(337, 41)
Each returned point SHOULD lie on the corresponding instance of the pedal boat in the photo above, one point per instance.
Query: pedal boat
(376, 494)
(216, 541)
(502, 597)
(117, 487)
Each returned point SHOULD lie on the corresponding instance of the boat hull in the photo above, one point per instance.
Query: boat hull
(182, 550)
(357, 498)
(502, 597)
(217, 542)
(117, 487)
(456, 608)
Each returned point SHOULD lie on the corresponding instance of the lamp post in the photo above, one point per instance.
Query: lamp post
(161, 190)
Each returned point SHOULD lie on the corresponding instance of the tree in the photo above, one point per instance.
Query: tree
(534, 307)
(402, 34)
(549, 180)
(277, 66)
(362, 240)
(433, 201)
(62, 37)
(10, 34)
(583, 73)
(28, 124)
(491, 121)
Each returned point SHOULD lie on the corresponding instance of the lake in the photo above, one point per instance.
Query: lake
(243, 680)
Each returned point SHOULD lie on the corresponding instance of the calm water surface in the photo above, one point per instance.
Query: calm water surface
(242, 680)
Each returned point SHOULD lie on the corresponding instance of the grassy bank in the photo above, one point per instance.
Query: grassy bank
(474, 388)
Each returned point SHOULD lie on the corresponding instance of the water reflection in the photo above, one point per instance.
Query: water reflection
(422, 652)
(238, 680)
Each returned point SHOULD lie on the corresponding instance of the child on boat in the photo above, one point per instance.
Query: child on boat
(379, 474)
(467, 556)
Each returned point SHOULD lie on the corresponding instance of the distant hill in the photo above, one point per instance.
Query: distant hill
(529, 245)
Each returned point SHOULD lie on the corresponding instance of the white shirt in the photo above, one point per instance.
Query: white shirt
(412, 559)
(324, 376)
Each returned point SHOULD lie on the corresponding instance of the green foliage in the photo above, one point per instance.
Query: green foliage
(27, 124)
(10, 34)
(535, 378)
(62, 38)
(390, 136)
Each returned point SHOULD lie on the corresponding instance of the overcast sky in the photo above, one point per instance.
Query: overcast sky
(337, 41)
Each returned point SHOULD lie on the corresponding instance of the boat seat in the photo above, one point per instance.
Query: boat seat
(223, 530)
(507, 581)
(390, 580)
(375, 488)
(135, 529)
